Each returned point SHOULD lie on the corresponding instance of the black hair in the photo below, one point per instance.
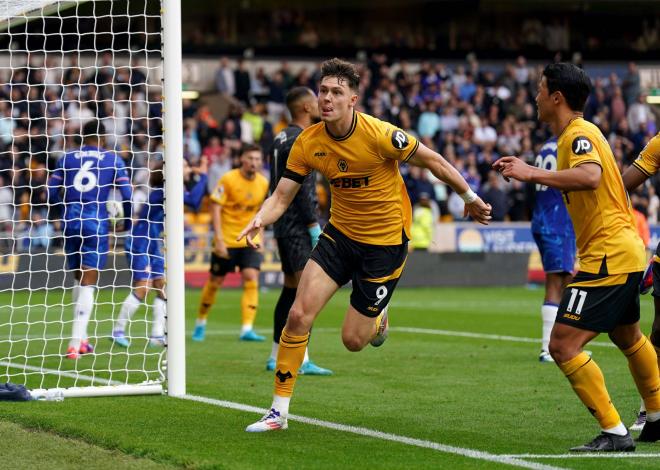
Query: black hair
(93, 128)
(569, 79)
(342, 70)
(295, 95)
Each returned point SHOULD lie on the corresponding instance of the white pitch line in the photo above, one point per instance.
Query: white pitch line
(71, 375)
(577, 455)
(470, 453)
(468, 334)
(399, 329)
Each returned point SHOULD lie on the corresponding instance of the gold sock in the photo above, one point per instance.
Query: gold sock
(657, 352)
(588, 383)
(643, 365)
(208, 299)
(289, 359)
(249, 302)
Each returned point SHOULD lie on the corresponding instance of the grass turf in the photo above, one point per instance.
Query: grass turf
(485, 394)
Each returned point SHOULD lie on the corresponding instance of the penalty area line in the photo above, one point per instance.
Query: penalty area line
(465, 452)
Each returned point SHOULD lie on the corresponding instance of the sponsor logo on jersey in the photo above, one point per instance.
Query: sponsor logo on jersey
(581, 145)
(360, 182)
(399, 139)
(320, 154)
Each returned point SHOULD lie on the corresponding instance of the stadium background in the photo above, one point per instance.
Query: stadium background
(439, 333)
(459, 75)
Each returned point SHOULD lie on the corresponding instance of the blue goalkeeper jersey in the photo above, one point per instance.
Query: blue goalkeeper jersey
(83, 180)
(550, 216)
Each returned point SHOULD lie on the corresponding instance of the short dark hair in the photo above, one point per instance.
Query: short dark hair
(571, 81)
(342, 70)
(93, 129)
(295, 95)
(245, 148)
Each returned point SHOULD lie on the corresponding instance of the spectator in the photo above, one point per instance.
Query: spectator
(242, 83)
(224, 78)
(494, 195)
(422, 223)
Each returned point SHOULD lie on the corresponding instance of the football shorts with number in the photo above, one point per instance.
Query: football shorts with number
(294, 252)
(557, 252)
(238, 257)
(600, 303)
(374, 270)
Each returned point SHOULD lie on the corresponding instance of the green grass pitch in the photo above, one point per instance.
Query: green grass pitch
(457, 374)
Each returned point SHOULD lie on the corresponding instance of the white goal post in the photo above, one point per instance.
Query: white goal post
(64, 64)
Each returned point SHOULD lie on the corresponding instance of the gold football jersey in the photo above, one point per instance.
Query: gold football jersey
(648, 161)
(240, 199)
(605, 233)
(369, 200)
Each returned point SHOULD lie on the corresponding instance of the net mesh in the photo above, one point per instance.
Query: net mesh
(62, 65)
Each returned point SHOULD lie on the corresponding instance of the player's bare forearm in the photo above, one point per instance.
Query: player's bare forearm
(580, 178)
(215, 219)
(633, 177)
(441, 168)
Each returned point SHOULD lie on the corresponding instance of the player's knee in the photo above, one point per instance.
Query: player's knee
(560, 351)
(299, 320)
(140, 293)
(352, 342)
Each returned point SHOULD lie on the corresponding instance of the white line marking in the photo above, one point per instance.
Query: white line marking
(470, 453)
(399, 329)
(468, 334)
(577, 455)
(71, 375)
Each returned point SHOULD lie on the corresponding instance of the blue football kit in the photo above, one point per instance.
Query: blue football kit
(551, 225)
(144, 248)
(82, 181)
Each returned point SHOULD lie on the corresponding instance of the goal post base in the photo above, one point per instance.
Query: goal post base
(100, 391)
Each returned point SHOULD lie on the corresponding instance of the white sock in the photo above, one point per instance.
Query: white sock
(128, 308)
(75, 290)
(200, 321)
(548, 314)
(652, 417)
(274, 349)
(306, 359)
(281, 404)
(245, 328)
(82, 311)
(158, 325)
(619, 430)
(642, 407)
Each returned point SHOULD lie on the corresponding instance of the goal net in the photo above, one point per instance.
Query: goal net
(64, 65)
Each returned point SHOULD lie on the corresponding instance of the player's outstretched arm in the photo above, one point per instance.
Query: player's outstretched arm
(580, 178)
(271, 210)
(633, 177)
(426, 158)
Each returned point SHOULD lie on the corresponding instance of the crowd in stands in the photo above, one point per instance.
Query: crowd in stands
(43, 106)
(469, 113)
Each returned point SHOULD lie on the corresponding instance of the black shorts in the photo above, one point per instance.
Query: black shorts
(589, 303)
(374, 269)
(241, 257)
(294, 253)
(656, 272)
